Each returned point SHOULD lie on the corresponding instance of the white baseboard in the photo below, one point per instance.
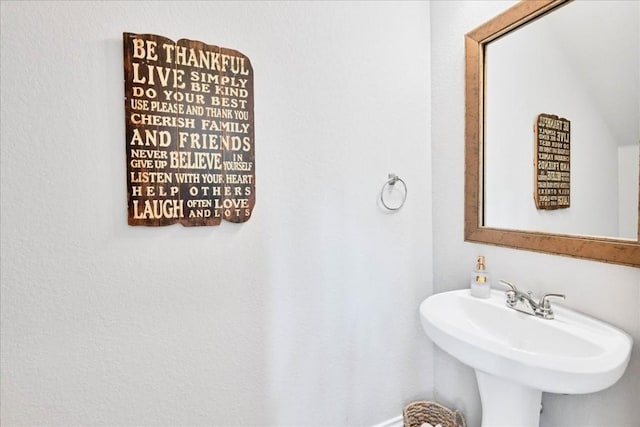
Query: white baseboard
(393, 422)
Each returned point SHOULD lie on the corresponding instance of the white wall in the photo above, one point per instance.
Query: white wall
(306, 314)
(627, 192)
(609, 292)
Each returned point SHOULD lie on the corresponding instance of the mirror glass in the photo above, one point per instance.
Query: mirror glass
(581, 63)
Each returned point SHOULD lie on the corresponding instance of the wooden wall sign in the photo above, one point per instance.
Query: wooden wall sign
(189, 132)
(552, 171)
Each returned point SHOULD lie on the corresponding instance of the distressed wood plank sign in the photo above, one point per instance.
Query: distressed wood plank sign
(189, 132)
(552, 172)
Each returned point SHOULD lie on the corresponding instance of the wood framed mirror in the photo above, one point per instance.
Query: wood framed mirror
(612, 249)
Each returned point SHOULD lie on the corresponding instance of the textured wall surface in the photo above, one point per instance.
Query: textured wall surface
(306, 314)
(608, 292)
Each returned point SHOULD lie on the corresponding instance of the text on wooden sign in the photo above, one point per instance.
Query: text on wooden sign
(552, 171)
(189, 113)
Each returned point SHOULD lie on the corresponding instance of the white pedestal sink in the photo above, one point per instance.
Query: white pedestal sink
(518, 356)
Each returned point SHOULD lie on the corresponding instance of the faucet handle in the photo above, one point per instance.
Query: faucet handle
(544, 308)
(544, 301)
(510, 293)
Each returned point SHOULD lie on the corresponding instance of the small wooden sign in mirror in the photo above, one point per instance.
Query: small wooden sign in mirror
(189, 132)
(552, 171)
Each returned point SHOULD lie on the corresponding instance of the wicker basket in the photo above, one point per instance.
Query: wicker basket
(417, 413)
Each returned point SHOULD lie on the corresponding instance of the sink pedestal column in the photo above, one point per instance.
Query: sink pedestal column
(506, 403)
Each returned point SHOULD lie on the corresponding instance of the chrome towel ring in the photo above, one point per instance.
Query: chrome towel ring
(391, 182)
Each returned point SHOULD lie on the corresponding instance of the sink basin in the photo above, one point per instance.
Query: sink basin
(517, 356)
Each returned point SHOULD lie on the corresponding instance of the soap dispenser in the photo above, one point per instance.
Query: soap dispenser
(480, 287)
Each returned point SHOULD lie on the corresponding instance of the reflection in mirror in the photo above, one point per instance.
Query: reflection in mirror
(559, 65)
(555, 58)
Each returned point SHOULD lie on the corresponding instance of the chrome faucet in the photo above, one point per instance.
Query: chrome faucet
(524, 302)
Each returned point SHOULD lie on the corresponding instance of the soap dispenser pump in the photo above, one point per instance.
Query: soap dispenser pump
(480, 287)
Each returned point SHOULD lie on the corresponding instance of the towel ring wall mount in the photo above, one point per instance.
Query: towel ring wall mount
(390, 185)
